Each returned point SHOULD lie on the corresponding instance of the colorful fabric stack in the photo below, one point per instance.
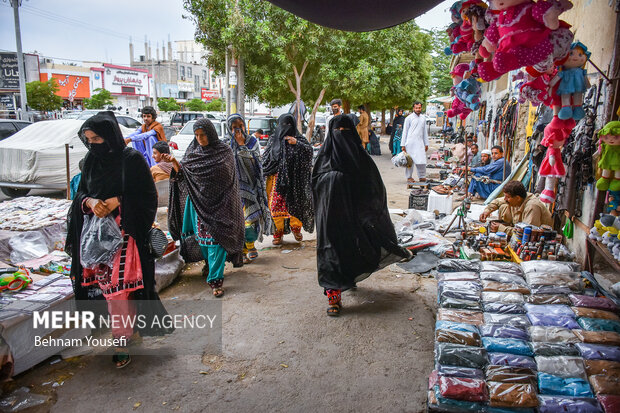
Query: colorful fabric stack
(523, 338)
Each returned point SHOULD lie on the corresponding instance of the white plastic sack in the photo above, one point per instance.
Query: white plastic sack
(27, 246)
(403, 160)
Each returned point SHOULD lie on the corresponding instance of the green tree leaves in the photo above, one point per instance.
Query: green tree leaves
(42, 95)
(167, 104)
(196, 105)
(441, 80)
(216, 105)
(99, 100)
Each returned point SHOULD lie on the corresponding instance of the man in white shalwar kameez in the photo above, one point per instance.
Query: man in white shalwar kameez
(415, 142)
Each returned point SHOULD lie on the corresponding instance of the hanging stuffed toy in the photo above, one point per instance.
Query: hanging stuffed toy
(458, 106)
(572, 83)
(521, 35)
(609, 140)
(454, 31)
(552, 168)
(475, 13)
(468, 90)
(536, 89)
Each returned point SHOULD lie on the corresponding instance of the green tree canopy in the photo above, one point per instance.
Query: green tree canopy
(216, 105)
(42, 95)
(383, 68)
(99, 100)
(196, 105)
(167, 104)
(441, 82)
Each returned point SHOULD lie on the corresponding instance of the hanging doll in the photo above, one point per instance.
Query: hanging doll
(458, 106)
(521, 35)
(536, 89)
(572, 83)
(468, 90)
(454, 31)
(474, 11)
(609, 139)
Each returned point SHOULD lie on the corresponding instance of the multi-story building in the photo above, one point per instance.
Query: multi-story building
(73, 81)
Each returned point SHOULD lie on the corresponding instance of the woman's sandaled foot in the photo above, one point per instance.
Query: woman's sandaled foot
(277, 239)
(218, 292)
(298, 236)
(216, 287)
(121, 358)
(333, 310)
(252, 254)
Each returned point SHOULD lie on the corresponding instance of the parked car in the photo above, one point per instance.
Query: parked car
(9, 127)
(180, 142)
(266, 123)
(179, 119)
(34, 157)
(124, 120)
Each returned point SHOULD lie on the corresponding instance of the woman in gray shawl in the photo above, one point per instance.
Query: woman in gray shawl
(246, 151)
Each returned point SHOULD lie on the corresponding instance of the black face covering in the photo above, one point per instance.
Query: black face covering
(100, 150)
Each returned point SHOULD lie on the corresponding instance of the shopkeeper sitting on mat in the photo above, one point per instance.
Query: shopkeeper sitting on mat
(517, 206)
(487, 178)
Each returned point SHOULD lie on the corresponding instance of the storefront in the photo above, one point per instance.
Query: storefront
(73, 83)
(129, 86)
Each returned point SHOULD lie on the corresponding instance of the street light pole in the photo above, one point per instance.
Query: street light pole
(20, 60)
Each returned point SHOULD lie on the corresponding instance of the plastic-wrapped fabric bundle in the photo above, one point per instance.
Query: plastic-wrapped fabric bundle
(608, 368)
(460, 388)
(600, 303)
(554, 349)
(510, 319)
(451, 325)
(501, 266)
(502, 308)
(512, 395)
(610, 402)
(571, 280)
(555, 310)
(500, 297)
(554, 385)
(468, 286)
(507, 345)
(605, 385)
(454, 371)
(503, 277)
(504, 331)
(562, 366)
(557, 404)
(448, 292)
(457, 337)
(598, 352)
(513, 360)
(457, 276)
(552, 334)
(450, 405)
(598, 324)
(499, 286)
(463, 316)
(548, 299)
(552, 320)
(594, 313)
(598, 337)
(508, 374)
(550, 266)
(459, 303)
(458, 265)
(460, 355)
(550, 290)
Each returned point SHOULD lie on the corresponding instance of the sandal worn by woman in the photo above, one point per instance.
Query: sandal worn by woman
(277, 238)
(335, 302)
(298, 236)
(216, 287)
(252, 254)
(121, 357)
(334, 310)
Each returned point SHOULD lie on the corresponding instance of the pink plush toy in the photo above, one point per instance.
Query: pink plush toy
(536, 90)
(552, 166)
(521, 35)
(458, 107)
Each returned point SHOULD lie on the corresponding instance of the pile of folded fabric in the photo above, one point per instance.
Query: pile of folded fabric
(523, 338)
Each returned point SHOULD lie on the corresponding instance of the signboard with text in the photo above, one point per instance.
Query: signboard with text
(118, 79)
(9, 71)
(208, 94)
(72, 87)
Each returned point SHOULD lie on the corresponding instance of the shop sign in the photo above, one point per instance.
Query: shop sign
(208, 94)
(9, 71)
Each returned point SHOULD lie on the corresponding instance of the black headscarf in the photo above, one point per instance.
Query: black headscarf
(355, 235)
(102, 178)
(209, 177)
(293, 164)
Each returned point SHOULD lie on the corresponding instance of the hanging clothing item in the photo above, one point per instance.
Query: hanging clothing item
(293, 166)
(251, 182)
(102, 178)
(355, 235)
(208, 175)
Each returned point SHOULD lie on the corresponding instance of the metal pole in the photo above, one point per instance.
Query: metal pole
(20, 60)
(227, 64)
(68, 167)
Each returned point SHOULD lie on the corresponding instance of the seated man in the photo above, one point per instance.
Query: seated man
(517, 206)
(475, 156)
(146, 135)
(485, 157)
(487, 178)
(161, 169)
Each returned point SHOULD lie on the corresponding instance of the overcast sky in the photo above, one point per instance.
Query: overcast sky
(99, 31)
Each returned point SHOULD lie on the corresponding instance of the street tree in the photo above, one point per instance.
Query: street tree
(196, 105)
(99, 100)
(441, 81)
(216, 105)
(42, 95)
(167, 104)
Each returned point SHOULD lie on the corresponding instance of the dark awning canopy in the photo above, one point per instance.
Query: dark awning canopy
(357, 15)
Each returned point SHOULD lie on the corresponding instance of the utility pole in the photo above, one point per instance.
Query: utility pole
(20, 60)
(227, 89)
(241, 86)
(232, 82)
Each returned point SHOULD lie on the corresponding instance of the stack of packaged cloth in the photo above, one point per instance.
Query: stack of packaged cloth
(523, 338)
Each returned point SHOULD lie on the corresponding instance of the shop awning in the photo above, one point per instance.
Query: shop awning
(357, 15)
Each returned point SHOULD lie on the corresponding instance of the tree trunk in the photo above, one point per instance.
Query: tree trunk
(346, 106)
(312, 116)
(382, 121)
(297, 91)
